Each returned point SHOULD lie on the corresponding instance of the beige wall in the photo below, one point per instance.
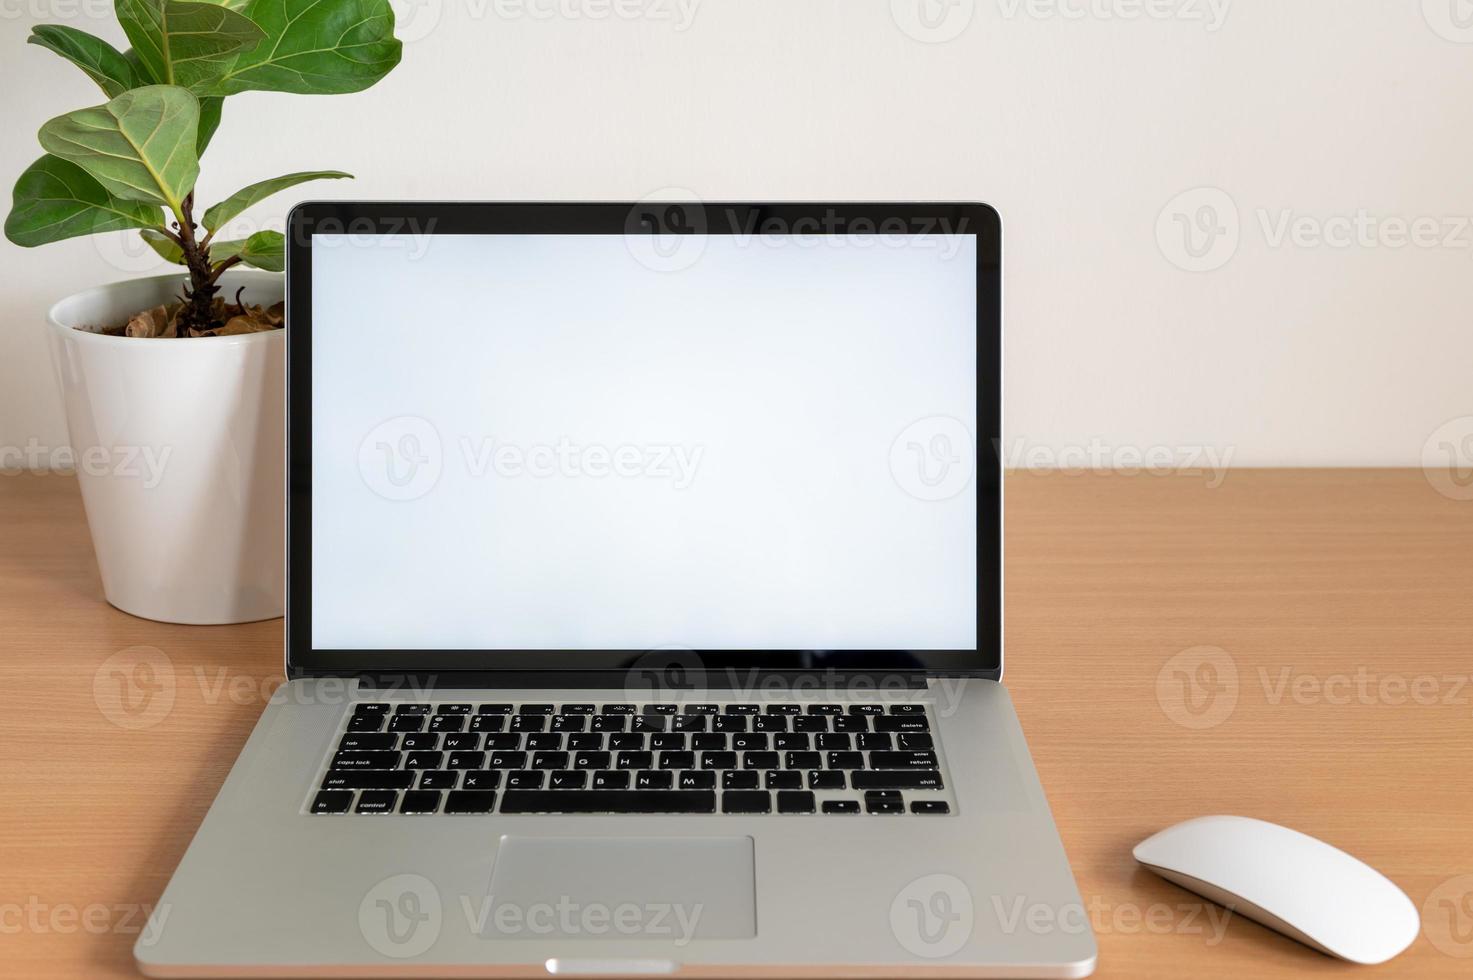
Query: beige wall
(1330, 326)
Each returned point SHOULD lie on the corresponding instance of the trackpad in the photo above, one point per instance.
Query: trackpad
(647, 888)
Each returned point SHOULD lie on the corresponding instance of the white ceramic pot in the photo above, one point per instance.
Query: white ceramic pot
(179, 446)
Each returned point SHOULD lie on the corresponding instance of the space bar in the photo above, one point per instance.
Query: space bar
(608, 801)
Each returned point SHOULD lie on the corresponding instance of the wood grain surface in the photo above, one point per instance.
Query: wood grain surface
(1292, 645)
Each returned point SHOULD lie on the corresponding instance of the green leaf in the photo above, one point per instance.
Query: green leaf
(103, 63)
(164, 245)
(187, 42)
(247, 196)
(264, 250)
(209, 121)
(315, 48)
(55, 199)
(140, 146)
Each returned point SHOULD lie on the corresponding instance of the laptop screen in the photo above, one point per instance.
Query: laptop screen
(592, 442)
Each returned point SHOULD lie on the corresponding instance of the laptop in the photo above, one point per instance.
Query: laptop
(644, 609)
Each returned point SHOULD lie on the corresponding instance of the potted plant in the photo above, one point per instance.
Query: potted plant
(174, 385)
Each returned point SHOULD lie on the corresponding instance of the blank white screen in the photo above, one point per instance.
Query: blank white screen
(781, 372)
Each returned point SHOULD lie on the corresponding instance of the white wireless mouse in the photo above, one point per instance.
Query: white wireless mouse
(1288, 881)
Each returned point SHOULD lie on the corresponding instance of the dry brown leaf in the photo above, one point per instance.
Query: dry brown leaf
(246, 324)
(149, 323)
(276, 313)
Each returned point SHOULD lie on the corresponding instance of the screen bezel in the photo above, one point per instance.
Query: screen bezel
(592, 666)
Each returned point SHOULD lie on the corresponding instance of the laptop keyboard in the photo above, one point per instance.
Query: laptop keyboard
(785, 758)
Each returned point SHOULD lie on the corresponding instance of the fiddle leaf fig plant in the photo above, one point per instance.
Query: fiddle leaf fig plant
(132, 162)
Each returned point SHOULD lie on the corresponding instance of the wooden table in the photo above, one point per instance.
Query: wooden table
(1341, 601)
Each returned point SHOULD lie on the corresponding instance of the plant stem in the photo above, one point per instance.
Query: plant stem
(197, 314)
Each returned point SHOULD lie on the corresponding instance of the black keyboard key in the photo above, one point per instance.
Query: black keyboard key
(366, 760)
(769, 723)
(783, 779)
(902, 760)
(462, 742)
(914, 741)
(550, 760)
(626, 742)
(407, 723)
(810, 723)
(454, 709)
(332, 801)
(535, 709)
(494, 709)
(668, 742)
(740, 709)
(749, 742)
(846, 760)
(577, 709)
(746, 801)
(376, 801)
(367, 708)
(508, 760)
(729, 723)
(761, 760)
(740, 779)
(884, 806)
(825, 709)
(803, 760)
(782, 709)
(569, 723)
(658, 709)
(654, 779)
(373, 722)
(426, 742)
(439, 779)
(608, 723)
(929, 806)
(608, 801)
(542, 742)
(902, 723)
(593, 760)
(525, 779)
(866, 709)
(840, 806)
(834, 742)
(528, 723)
(701, 709)
(479, 779)
(470, 801)
(705, 741)
(718, 760)
(585, 742)
(699, 779)
(466, 760)
(907, 709)
(368, 742)
(896, 779)
(634, 760)
(618, 709)
(677, 760)
(488, 723)
(412, 708)
(796, 801)
(824, 779)
(568, 779)
(611, 779)
(424, 760)
(649, 723)
(420, 801)
(369, 779)
(873, 742)
(688, 723)
(851, 723)
(447, 723)
(502, 742)
(791, 741)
